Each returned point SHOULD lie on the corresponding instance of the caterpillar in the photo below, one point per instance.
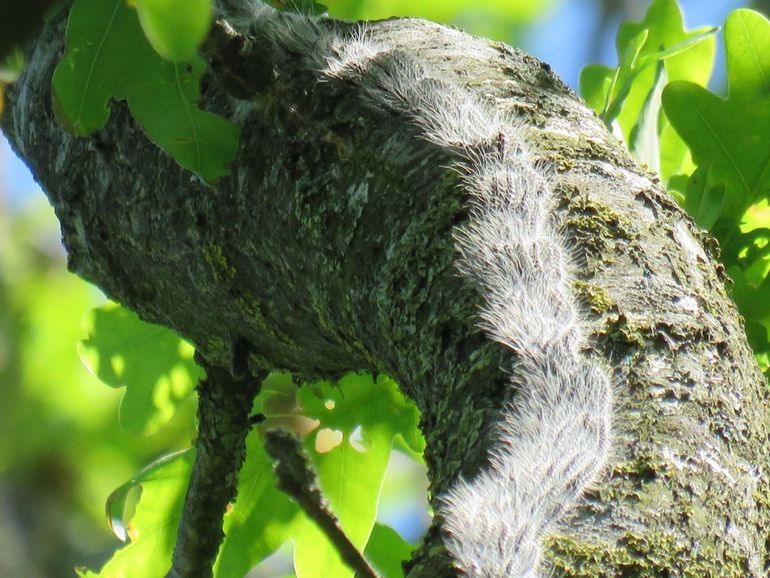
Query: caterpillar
(553, 440)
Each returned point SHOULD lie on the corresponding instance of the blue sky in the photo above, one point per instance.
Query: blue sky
(563, 39)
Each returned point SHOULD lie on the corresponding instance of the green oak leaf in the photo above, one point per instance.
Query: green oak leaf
(621, 95)
(730, 135)
(440, 11)
(595, 84)
(152, 529)
(107, 58)
(703, 201)
(175, 28)
(758, 340)
(358, 421)
(307, 7)
(645, 141)
(490, 18)
(728, 140)
(753, 298)
(277, 396)
(350, 428)
(353, 425)
(386, 550)
(687, 55)
(153, 363)
(747, 256)
(628, 70)
(260, 520)
(368, 415)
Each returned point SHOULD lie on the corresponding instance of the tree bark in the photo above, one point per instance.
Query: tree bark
(330, 249)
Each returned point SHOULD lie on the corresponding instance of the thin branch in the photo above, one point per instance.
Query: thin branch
(297, 478)
(224, 405)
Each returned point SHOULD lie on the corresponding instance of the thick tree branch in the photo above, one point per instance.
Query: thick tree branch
(330, 249)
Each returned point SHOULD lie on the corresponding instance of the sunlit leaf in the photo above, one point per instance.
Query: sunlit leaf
(755, 299)
(308, 7)
(154, 365)
(703, 201)
(687, 55)
(595, 84)
(261, 519)
(730, 135)
(121, 525)
(256, 524)
(521, 10)
(153, 527)
(386, 551)
(493, 18)
(645, 143)
(728, 141)
(175, 28)
(368, 415)
(625, 74)
(633, 87)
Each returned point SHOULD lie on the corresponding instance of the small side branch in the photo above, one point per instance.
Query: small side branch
(297, 478)
(224, 405)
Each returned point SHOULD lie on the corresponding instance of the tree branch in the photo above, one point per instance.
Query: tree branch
(224, 405)
(330, 249)
(297, 478)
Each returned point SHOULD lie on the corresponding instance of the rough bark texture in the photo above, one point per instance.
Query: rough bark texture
(330, 249)
(224, 404)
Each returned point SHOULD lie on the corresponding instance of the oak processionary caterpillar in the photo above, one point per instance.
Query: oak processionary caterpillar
(554, 440)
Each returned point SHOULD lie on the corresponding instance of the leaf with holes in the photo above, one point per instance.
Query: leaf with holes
(358, 421)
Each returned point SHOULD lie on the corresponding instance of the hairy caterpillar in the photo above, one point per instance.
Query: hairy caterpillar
(554, 440)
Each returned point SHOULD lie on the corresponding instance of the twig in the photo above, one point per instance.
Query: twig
(297, 478)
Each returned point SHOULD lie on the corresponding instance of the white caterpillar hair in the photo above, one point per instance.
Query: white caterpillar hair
(553, 441)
